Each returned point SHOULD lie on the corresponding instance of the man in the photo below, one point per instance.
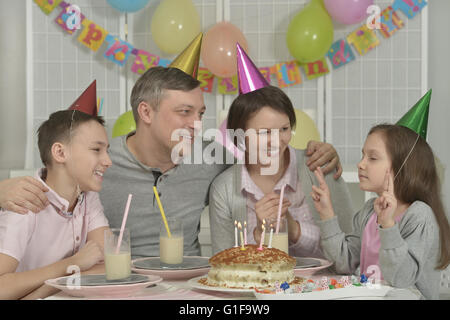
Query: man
(163, 100)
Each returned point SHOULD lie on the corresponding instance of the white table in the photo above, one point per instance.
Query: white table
(181, 290)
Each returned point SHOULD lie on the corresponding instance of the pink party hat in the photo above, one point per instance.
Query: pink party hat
(249, 77)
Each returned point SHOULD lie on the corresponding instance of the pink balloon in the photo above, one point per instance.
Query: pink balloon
(348, 11)
(218, 51)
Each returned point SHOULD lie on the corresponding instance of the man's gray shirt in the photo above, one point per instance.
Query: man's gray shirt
(183, 193)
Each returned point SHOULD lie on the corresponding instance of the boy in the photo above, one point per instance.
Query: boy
(69, 231)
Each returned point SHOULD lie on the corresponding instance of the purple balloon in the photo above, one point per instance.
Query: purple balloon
(348, 11)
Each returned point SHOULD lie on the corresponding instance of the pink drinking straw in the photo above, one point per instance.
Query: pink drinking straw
(279, 209)
(124, 221)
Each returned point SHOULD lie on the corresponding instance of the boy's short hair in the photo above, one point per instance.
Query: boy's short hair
(151, 85)
(245, 105)
(57, 129)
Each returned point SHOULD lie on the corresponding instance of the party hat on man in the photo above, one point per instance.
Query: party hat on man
(416, 118)
(249, 77)
(87, 101)
(188, 59)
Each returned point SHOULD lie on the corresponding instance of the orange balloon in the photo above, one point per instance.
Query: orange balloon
(219, 49)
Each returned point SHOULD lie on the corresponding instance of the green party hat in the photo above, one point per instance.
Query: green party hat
(416, 118)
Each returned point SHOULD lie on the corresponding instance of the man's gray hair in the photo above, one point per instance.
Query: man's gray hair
(151, 85)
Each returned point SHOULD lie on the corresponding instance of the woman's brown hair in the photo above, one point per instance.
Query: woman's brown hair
(418, 178)
(246, 105)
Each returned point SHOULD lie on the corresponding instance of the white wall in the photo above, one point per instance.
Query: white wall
(439, 81)
(12, 85)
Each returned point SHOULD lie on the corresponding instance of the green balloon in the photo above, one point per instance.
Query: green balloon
(124, 124)
(310, 33)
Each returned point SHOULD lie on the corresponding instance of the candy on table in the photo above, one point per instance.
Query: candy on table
(345, 281)
(363, 278)
(324, 283)
(278, 288)
(284, 286)
(355, 281)
(298, 289)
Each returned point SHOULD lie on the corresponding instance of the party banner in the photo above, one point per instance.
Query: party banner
(287, 73)
(363, 39)
(47, 6)
(69, 19)
(409, 7)
(144, 61)
(316, 69)
(92, 35)
(390, 23)
(206, 79)
(228, 85)
(340, 54)
(118, 50)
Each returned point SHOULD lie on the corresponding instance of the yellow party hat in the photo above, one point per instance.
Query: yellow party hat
(188, 60)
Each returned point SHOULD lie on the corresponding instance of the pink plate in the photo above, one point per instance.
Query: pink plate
(174, 274)
(304, 272)
(123, 290)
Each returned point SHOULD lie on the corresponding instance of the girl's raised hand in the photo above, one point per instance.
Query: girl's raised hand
(321, 196)
(386, 204)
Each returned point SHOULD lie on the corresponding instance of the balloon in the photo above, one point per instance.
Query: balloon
(348, 11)
(124, 124)
(310, 33)
(305, 131)
(174, 24)
(128, 5)
(219, 49)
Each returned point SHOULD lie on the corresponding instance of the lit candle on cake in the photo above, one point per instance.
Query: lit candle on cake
(271, 235)
(242, 237)
(262, 235)
(245, 232)
(235, 234)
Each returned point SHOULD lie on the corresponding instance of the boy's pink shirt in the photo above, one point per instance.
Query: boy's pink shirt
(370, 246)
(38, 240)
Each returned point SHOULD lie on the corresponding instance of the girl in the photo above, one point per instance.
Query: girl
(404, 232)
(251, 192)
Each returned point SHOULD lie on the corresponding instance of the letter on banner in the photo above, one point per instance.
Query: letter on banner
(92, 35)
(206, 79)
(144, 61)
(409, 7)
(61, 19)
(118, 50)
(363, 39)
(287, 73)
(47, 6)
(265, 71)
(340, 53)
(228, 85)
(164, 62)
(390, 22)
(316, 69)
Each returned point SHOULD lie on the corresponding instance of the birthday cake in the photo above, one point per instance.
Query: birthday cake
(250, 268)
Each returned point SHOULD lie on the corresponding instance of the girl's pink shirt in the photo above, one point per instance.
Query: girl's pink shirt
(370, 246)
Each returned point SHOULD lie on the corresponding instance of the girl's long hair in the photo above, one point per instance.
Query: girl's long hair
(418, 179)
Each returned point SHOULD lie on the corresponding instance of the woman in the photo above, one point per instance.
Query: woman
(251, 191)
